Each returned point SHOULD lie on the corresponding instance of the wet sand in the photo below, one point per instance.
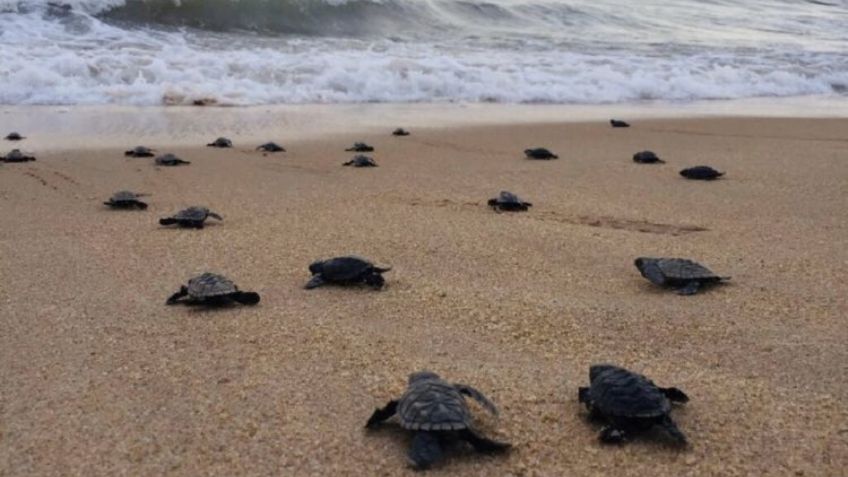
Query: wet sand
(100, 378)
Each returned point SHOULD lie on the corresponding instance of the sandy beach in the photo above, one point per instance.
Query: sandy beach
(99, 377)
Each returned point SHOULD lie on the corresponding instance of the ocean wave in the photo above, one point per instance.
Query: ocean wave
(518, 51)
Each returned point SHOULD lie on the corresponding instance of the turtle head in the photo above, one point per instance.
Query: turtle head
(316, 267)
(642, 261)
(597, 369)
(422, 376)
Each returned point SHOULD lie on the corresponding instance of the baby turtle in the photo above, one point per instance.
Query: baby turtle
(212, 290)
(436, 412)
(270, 147)
(15, 155)
(124, 199)
(140, 151)
(617, 123)
(360, 147)
(360, 160)
(400, 132)
(346, 271)
(684, 275)
(702, 173)
(221, 142)
(540, 153)
(13, 136)
(629, 403)
(170, 160)
(507, 201)
(647, 157)
(191, 217)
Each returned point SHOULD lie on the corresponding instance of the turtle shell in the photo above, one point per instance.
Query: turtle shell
(192, 213)
(210, 285)
(683, 269)
(341, 268)
(124, 196)
(506, 197)
(615, 391)
(433, 404)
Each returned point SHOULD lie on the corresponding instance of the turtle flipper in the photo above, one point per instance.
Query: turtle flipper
(381, 414)
(167, 221)
(425, 450)
(477, 396)
(246, 298)
(374, 279)
(316, 281)
(483, 444)
(675, 395)
(141, 205)
(215, 216)
(672, 430)
(612, 435)
(690, 288)
(175, 298)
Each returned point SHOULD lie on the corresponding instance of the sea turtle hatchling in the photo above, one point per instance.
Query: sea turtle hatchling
(13, 136)
(270, 147)
(221, 142)
(15, 155)
(124, 199)
(212, 290)
(400, 132)
(436, 412)
(629, 403)
(347, 270)
(684, 275)
(540, 153)
(360, 160)
(617, 123)
(702, 173)
(140, 151)
(170, 160)
(190, 217)
(507, 201)
(360, 147)
(647, 157)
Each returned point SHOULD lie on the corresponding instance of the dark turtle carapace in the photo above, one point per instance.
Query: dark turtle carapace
(702, 173)
(360, 147)
(435, 411)
(509, 202)
(193, 217)
(684, 275)
(540, 153)
(15, 155)
(14, 136)
(221, 142)
(348, 270)
(212, 290)
(270, 147)
(140, 151)
(170, 160)
(360, 160)
(124, 199)
(629, 403)
(617, 123)
(647, 157)
(400, 132)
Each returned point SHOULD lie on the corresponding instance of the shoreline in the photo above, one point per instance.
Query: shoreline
(71, 127)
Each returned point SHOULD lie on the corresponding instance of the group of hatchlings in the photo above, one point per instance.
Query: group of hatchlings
(433, 409)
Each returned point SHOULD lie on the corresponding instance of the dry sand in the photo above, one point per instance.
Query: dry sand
(100, 378)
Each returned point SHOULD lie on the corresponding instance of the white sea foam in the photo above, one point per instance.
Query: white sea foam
(83, 57)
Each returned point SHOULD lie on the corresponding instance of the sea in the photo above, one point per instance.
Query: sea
(262, 52)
